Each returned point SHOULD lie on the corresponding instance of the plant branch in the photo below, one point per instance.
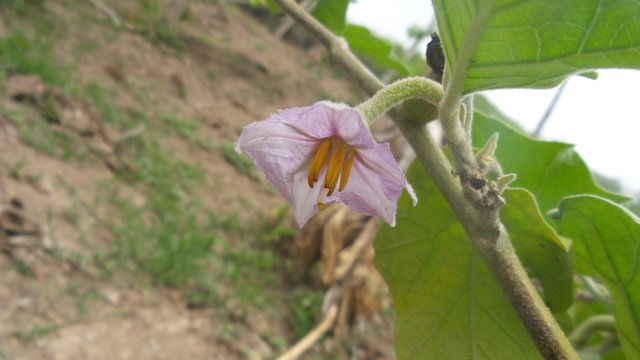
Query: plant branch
(484, 229)
(312, 337)
(467, 121)
(597, 323)
(396, 93)
(453, 129)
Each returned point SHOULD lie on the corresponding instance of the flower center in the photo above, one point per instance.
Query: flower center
(338, 157)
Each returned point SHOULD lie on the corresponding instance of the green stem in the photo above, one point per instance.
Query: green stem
(580, 336)
(396, 93)
(493, 243)
(453, 129)
(438, 167)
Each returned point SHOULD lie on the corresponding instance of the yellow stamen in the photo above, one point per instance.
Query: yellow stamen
(321, 205)
(346, 170)
(333, 170)
(318, 161)
(338, 158)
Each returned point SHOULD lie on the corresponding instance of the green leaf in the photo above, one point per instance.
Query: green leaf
(539, 248)
(273, 7)
(593, 75)
(550, 170)
(332, 14)
(606, 240)
(363, 42)
(257, 3)
(536, 44)
(448, 306)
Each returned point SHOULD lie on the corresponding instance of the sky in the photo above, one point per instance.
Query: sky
(600, 117)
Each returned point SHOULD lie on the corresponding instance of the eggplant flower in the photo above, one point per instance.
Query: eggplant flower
(324, 153)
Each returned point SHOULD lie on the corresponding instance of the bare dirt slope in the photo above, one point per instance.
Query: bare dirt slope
(98, 124)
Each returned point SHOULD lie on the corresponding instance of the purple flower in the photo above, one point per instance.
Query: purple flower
(324, 153)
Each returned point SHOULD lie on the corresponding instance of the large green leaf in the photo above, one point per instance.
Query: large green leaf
(535, 44)
(539, 248)
(448, 306)
(606, 240)
(332, 14)
(550, 170)
(380, 51)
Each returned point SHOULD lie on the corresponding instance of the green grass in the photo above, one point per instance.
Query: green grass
(166, 239)
(37, 332)
(26, 53)
(100, 98)
(156, 26)
(35, 131)
(171, 238)
(20, 7)
(176, 241)
(23, 268)
(183, 127)
(305, 304)
(239, 161)
(82, 295)
(22, 55)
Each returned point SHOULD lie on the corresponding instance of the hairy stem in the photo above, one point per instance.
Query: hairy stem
(484, 229)
(455, 132)
(394, 94)
(580, 335)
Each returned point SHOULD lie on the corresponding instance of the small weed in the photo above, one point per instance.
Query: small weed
(180, 126)
(16, 169)
(305, 305)
(240, 162)
(20, 5)
(276, 229)
(169, 237)
(156, 168)
(261, 47)
(23, 268)
(36, 132)
(82, 295)
(210, 144)
(87, 46)
(100, 98)
(278, 342)
(157, 26)
(227, 333)
(37, 332)
(227, 223)
(170, 246)
(21, 55)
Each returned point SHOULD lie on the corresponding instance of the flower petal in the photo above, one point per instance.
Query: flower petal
(325, 119)
(364, 193)
(277, 150)
(379, 160)
(304, 200)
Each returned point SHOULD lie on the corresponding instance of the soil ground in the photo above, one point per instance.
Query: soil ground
(116, 149)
